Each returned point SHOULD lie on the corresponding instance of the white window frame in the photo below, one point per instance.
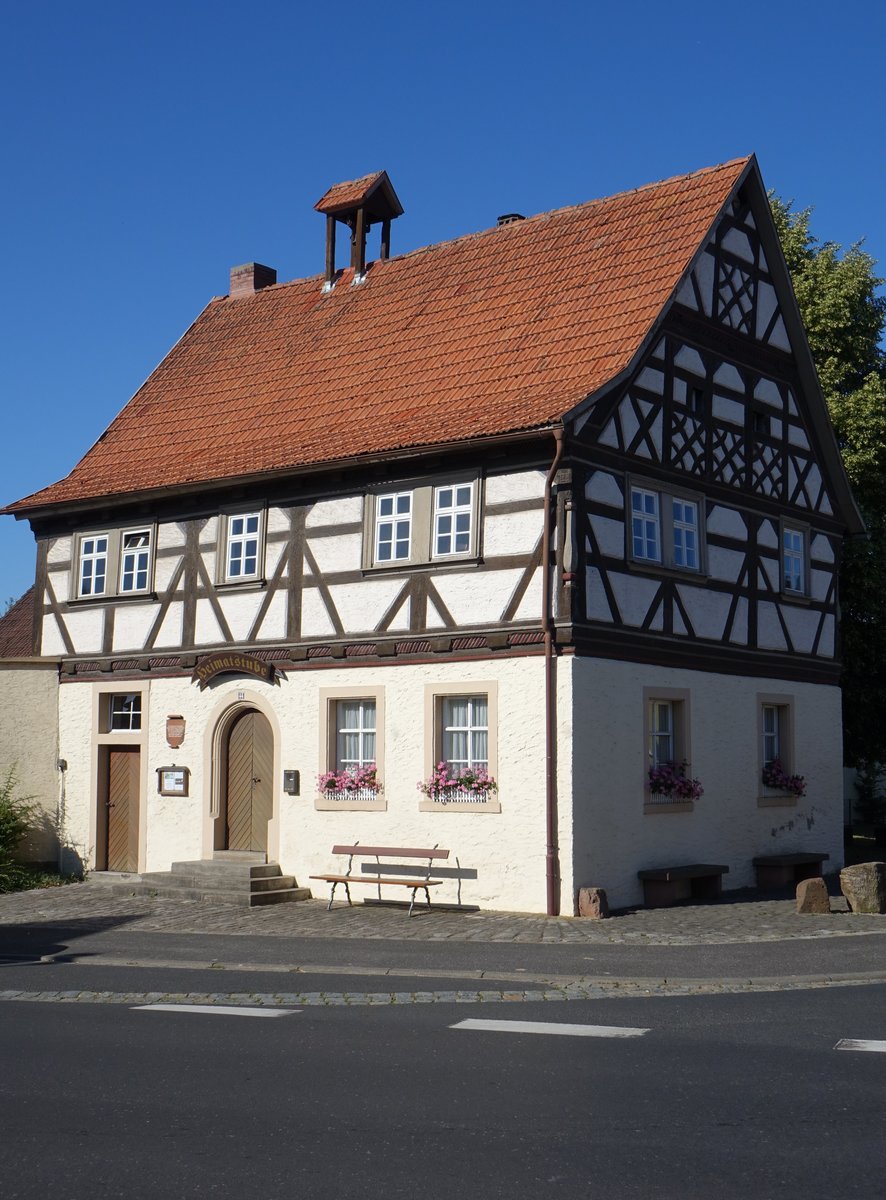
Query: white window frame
(435, 735)
(88, 553)
(113, 557)
(399, 517)
(328, 750)
(128, 707)
(363, 730)
(663, 514)
(783, 706)
(228, 538)
(677, 702)
(797, 552)
(453, 512)
(425, 517)
(137, 552)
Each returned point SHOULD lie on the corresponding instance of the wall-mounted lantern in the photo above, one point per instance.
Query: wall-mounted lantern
(175, 731)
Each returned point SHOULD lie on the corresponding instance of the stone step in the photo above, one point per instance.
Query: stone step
(214, 884)
(240, 898)
(241, 856)
(232, 871)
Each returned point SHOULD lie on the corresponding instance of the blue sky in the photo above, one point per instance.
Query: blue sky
(148, 148)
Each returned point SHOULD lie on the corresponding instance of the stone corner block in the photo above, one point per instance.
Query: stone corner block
(592, 902)
(812, 896)
(864, 886)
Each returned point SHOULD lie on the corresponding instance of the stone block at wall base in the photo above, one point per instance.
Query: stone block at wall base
(864, 886)
(592, 902)
(812, 896)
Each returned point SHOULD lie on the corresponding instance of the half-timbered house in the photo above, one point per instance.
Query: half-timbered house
(557, 504)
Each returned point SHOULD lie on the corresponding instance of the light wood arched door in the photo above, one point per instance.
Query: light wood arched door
(249, 775)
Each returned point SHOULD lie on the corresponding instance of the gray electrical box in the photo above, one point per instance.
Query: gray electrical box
(290, 783)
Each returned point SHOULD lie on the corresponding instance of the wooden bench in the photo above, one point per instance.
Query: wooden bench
(377, 877)
(694, 881)
(786, 870)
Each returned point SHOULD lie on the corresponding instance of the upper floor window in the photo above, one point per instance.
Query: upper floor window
(429, 523)
(93, 565)
(793, 560)
(453, 515)
(135, 560)
(665, 529)
(114, 562)
(242, 546)
(393, 527)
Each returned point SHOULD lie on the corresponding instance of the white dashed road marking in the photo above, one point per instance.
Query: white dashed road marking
(223, 1010)
(861, 1044)
(554, 1027)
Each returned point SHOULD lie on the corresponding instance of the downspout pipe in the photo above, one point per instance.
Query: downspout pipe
(552, 860)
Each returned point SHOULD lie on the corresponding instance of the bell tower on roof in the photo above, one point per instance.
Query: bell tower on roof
(359, 204)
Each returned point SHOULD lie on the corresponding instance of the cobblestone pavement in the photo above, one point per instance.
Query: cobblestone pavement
(733, 920)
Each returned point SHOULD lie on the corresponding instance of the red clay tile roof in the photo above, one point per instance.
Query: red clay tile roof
(496, 332)
(348, 194)
(16, 628)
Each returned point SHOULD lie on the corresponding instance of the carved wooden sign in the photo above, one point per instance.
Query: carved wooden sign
(230, 663)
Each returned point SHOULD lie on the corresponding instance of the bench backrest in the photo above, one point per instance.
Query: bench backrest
(391, 851)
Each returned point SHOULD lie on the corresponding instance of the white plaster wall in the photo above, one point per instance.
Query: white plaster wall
(336, 512)
(525, 485)
(85, 627)
(342, 553)
(615, 838)
(505, 849)
(511, 533)
(59, 550)
(75, 745)
(132, 624)
(475, 598)
(29, 742)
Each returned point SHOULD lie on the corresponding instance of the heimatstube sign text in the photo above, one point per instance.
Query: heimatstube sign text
(230, 664)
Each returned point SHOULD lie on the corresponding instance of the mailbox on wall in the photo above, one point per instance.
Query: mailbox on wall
(291, 783)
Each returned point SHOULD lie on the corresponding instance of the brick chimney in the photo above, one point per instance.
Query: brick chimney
(250, 278)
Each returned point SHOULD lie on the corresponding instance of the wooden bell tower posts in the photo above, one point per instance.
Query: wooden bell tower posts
(359, 204)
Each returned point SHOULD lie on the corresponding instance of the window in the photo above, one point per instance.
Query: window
(121, 555)
(430, 522)
(351, 742)
(93, 565)
(355, 734)
(793, 560)
(135, 561)
(242, 545)
(665, 529)
(393, 526)
(772, 738)
(775, 731)
(465, 729)
(667, 750)
(662, 744)
(124, 711)
(453, 512)
(461, 733)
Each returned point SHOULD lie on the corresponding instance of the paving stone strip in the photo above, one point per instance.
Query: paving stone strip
(579, 990)
(735, 920)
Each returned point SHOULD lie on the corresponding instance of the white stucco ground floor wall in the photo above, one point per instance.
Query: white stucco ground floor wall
(606, 833)
(616, 833)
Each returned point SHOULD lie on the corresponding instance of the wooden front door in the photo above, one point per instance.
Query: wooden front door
(122, 808)
(250, 773)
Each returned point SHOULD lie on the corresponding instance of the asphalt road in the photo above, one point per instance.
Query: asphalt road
(727, 1096)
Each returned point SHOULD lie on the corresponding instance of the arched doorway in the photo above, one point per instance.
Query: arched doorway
(248, 782)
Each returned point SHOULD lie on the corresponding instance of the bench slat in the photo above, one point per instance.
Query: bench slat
(375, 880)
(788, 860)
(391, 851)
(691, 871)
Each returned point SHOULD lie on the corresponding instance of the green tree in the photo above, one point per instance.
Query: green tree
(845, 318)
